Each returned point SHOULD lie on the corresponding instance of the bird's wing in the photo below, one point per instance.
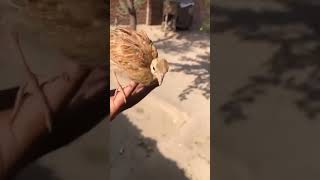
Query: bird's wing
(131, 48)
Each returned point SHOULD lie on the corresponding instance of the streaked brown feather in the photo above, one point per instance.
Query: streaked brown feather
(132, 52)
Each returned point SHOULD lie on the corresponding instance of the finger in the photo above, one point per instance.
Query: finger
(141, 89)
(117, 103)
(136, 92)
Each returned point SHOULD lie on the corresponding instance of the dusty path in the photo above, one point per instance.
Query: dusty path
(167, 135)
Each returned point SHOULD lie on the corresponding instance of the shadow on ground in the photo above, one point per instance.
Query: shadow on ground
(198, 66)
(200, 69)
(136, 157)
(190, 38)
(38, 172)
(295, 66)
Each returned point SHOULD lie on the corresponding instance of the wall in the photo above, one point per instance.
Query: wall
(155, 12)
(141, 13)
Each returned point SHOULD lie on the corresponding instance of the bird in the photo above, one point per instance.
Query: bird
(134, 55)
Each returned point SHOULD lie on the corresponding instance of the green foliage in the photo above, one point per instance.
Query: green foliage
(122, 9)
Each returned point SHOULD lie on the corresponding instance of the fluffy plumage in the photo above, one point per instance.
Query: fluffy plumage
(134, 54)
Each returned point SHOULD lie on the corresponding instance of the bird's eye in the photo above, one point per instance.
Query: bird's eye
(153, 68)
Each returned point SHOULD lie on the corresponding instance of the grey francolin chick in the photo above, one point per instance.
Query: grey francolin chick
(133, 54)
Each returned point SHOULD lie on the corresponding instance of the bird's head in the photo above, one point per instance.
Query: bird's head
(159, 67)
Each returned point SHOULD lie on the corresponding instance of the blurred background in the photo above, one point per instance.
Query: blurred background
(267, 89)
(53, 31)
(167, 135)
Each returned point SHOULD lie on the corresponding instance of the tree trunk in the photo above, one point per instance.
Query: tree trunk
(132, 14)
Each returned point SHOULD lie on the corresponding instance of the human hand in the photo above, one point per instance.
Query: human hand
(135, 93)
(86, 109)
(78, 104)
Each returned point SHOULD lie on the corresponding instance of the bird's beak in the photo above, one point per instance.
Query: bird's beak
(160, 78)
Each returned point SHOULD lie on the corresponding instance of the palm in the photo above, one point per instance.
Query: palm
(134, 92)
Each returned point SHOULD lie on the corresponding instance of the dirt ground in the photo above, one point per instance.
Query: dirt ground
(267, 105)
(166, 136)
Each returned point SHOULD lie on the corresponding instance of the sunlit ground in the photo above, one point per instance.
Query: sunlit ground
(167, 135)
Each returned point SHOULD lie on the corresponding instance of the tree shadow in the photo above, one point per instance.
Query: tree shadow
(200, 69)
(189, 38)
(134, 156)
(198, 66)
(295, 30)
(166, 37)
